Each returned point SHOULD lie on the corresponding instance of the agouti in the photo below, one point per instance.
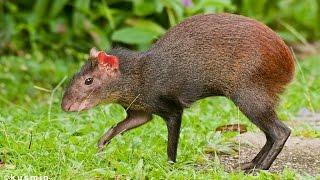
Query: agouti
(205, 55)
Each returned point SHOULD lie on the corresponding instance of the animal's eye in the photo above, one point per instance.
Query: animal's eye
(88, 81)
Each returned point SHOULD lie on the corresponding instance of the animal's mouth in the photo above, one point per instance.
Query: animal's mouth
(75, 106)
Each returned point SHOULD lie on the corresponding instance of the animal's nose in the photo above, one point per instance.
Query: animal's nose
(65, 105)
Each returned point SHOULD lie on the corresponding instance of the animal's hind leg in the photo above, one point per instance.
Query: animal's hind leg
(258, 106)
(279, 135)
(263, 152)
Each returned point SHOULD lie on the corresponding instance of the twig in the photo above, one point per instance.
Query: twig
(52, 95)
(83, 101)
(30, 143)
(132, 102)
(42, 89)
(239, 145)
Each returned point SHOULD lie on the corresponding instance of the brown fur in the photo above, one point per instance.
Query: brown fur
(209, 55)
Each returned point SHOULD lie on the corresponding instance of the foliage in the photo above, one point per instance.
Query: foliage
(293, 19)
(68, 27)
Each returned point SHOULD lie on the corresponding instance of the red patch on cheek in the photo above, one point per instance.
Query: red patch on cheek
(108, 60)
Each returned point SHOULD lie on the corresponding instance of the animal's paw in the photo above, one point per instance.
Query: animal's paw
(101, 144)
(249, 167)
(171, 162)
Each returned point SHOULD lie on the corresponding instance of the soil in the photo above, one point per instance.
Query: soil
(299, 153)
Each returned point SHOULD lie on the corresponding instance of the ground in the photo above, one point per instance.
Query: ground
(37, 138)
(300, 154)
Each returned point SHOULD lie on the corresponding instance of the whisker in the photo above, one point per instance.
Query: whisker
(85, 100)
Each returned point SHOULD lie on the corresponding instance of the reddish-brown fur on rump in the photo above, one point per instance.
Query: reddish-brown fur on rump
(278, 65)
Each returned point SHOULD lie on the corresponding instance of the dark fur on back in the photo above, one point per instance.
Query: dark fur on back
(206, 55)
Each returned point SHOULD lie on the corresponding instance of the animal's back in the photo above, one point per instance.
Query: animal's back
(219, 53)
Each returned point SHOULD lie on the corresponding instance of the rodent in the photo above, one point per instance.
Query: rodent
(205, 55)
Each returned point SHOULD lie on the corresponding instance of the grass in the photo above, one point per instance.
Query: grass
(38, 138)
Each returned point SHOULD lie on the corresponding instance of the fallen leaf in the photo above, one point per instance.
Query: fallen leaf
(232, 127)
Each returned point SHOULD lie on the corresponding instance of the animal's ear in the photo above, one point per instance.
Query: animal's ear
(93, 53)
(106, 60)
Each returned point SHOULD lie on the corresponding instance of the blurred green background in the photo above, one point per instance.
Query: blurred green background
(65, 28)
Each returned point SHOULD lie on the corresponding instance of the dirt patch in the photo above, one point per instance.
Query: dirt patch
(300, 154)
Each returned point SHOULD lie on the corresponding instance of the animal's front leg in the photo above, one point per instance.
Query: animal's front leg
(133, 120)
(173, 126)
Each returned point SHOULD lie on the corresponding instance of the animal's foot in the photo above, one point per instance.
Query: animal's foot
(246, 165)
(171, 162)
(249, 167)
(105, 139)
(102, 143)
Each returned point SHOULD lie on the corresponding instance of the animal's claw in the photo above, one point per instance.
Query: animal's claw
(249, 167)
(102, 143)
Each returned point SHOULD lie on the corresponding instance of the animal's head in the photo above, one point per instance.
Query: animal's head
(95, 83)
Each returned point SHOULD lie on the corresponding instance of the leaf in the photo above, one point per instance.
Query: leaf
(215, 6)
(83, 131)
(133, 35)
(211, 6)
(39, 9)
(174, 9)
(82, 5)
(146, 24)
(106, 12)
(56, 7)
(144, 8)
(78, 17)
(242, 128)
(100, 38)
(159, 6)
(254, 9)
